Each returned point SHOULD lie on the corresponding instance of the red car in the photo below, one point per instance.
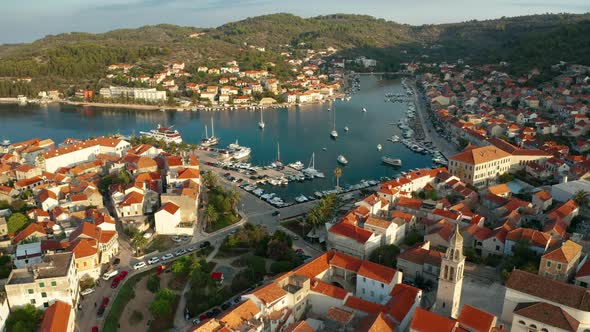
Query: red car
(105, 301)
(115, 282)
(122, 275)
(95, 329)
(203, 317)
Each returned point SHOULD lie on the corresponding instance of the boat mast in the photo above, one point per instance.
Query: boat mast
(206, 133)
(212, 128)
(278, 152)
(334, 117)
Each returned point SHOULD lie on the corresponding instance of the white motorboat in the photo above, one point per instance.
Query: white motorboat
(165, 134)
(298, 165)
(393, 139)
(346, 128)
(379, 147)
(341, 159)
(301, 199)
(364, 110)
(210, 140)
(239, 152)
(261, 123)
(392, 161)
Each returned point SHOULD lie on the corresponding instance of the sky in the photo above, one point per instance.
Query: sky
(28, 20)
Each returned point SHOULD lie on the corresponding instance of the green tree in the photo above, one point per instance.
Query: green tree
(153, 283)
(233, 197)
(16, 222)
(211, 215)
(581, 197)
(385, 255)
(162, 304)
(24, 319)
(139, 242)
(210, 180)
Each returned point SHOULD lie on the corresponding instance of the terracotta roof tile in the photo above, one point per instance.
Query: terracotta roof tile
(376, 271)
(269, 293)
(56, 318)
(319, 286)
(566, 253)
(476, 320)
(548, 314)
(356, 233)
(480, 155)
(549, 289)
(301, 326)
(340, 315)
(28, 231)
(239, 315)
(376, 323)
(364, 305)
(170, 208)
(403, 298)
(426, 321)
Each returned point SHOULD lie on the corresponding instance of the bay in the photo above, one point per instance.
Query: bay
(300, 130)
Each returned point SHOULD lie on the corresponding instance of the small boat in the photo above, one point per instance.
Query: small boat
(346, 128)
(379, 147)
(298, 165)
(393, 139)
(261, 124)
(391, 161)
(325, 149)
(334, 133)
(342, 160)
(364, 110)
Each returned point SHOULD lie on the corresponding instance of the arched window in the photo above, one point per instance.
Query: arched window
(533, 326)
(446, 274)
(544, 330)
(456, 253)
(452, 276)
(521, 322)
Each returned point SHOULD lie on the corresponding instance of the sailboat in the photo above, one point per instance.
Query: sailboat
(278, 162)
(210, 141)
(311, 171)
(261, 123)
(334, 133)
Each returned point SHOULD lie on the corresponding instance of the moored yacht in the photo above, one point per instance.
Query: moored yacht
(239, 152)
(341, 159)
(298, 165)
(165, 134)
(210, 140)
(391, 161)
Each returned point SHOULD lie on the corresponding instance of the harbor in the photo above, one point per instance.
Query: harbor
(366, 125)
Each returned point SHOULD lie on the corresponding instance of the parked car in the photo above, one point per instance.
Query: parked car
(216, 312)
(105, 301)
(224, 306)
(167, 257)
(191, 249)
(180, 252)
(203, 317)
(205, 244)
(87, 291)
(122, 275)
(139, 265)
(108, 275)
(95, 329)
(209, 314)
(196, 321)
(115, 283)
(276, 213)
(153, 260)
(176, 239)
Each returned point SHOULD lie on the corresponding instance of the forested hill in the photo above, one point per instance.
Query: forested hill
(537, 40)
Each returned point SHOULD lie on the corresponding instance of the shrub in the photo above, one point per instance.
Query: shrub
(153, 283)
(281, 266)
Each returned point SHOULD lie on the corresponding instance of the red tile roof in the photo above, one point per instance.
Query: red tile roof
(33, 229)
(356, 233)
(426, 321)
(170, 208)
(364, 305)
(476, 320)
(376, 271)
(548, 314)
(403, 298)
(567, 253)
(376, 323)
(319, 286)
(536, 238)
(56, 318)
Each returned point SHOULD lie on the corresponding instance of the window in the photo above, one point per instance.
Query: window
(364, 279)
(521, 322)
(33, 301)
(43, 294)
(558, 266)
(30, 291)
(363, 291)
(548, 263)
(382, 286)
(372, 293)
(41, 284)
(54, 283)
(46, 304)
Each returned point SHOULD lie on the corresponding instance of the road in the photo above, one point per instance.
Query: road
(445, 147)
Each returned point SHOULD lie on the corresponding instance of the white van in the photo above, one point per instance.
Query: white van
(108, 275)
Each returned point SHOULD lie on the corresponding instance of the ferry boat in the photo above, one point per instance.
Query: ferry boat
(239, 152)
(391, 161)
(341, 159)
(210, 140)
(165, 134)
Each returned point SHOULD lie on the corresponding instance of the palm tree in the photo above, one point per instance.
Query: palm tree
(338, 174)
(139, 242)
(581, 197)
(210, 180)
(211, 216)
(234, 198)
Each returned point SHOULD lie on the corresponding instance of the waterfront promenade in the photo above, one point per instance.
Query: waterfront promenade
(445, 147)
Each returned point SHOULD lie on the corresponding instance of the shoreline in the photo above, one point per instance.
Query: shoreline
(248, 107)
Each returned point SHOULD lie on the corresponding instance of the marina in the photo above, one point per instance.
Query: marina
(308, 155)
